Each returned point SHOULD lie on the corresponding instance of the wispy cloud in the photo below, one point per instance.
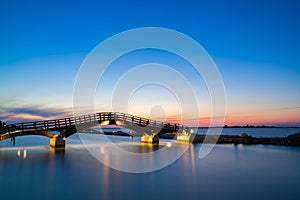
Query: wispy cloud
(288, 108)
(32, 113)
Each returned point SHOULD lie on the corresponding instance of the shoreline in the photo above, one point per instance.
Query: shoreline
(291, 140)
(244, 138)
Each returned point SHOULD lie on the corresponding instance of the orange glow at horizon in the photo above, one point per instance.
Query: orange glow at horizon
(289, 117)
(265, 117)
(274, 117)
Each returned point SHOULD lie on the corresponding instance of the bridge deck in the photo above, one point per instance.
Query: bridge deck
(71, 125)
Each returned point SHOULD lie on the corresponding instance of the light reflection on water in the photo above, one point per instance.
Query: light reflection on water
(33, 170)
(124, 154)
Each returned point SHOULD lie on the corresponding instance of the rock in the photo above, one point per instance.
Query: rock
(294, 139)
(245, 135)
(294, 136)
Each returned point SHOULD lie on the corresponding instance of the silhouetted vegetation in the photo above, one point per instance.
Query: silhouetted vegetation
(292, 140)
(250, 126)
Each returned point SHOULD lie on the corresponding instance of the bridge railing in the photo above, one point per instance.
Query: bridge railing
(48, 124)
(146, 122)
(90, 118)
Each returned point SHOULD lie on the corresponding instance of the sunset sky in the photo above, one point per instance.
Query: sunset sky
(255, 45)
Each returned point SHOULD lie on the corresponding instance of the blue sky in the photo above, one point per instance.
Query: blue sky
(255, 44)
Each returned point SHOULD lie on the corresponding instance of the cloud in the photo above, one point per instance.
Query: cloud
(32, 113)
(288, 108)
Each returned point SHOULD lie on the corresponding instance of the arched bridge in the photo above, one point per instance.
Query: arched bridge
(148, 129)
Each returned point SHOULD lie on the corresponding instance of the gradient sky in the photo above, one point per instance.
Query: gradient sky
(255, 44)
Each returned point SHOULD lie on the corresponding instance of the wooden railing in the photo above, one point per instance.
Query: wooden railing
(61, 124)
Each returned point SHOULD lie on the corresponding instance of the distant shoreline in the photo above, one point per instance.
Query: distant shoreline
(290, 140)
(248, 126)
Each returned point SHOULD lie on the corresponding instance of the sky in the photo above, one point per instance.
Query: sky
(255, 45)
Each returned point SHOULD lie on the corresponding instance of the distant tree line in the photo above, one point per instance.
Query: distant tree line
(257, 126)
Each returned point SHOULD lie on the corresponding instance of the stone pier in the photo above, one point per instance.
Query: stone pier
(57, 141)
(153, 139)
(185, 136)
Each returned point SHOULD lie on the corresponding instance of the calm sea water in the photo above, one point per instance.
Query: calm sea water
(33, 170)
(256, 132)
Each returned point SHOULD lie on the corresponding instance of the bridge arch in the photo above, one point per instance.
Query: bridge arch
(148, 129)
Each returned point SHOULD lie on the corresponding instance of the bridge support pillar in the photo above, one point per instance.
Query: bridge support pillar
(184, 136)
(57, 141)
(150, 139)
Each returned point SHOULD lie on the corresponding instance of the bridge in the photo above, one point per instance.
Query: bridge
(149, 130)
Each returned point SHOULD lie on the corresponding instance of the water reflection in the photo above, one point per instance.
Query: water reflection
(105, 179)
(56, 154)
(20, 153)
(102, 150)
(168, 144)
(24, 154)
(132, 156)
(192, 157)
(142, 147)
(272, 172)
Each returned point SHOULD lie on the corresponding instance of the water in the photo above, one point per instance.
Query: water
(256, 132)
(32, 170)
